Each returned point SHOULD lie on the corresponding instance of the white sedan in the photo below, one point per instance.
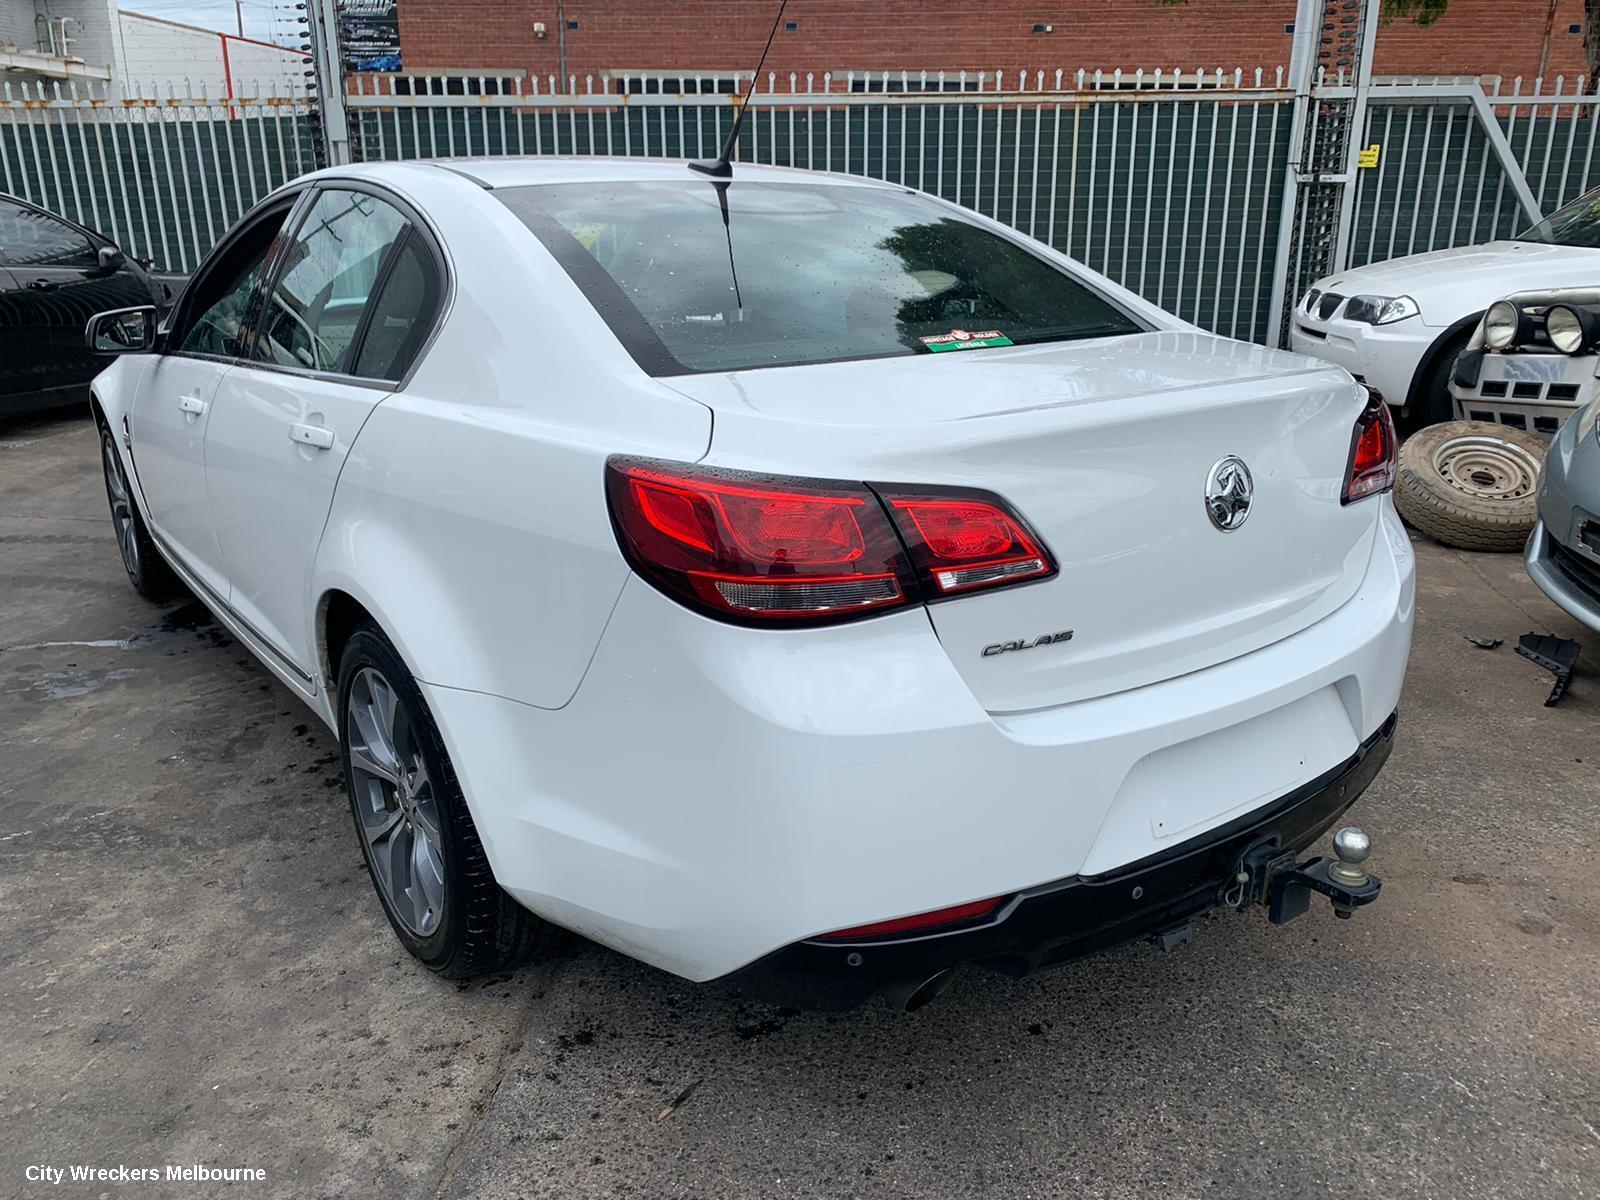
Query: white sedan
(796, 580)
(1398, 325)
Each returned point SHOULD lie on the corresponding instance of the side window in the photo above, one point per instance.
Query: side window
(215, 313)
(330, 268)
(29, 238)
(403, 314)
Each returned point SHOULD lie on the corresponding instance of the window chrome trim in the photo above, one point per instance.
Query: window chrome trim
(418, 220)
(429, 234)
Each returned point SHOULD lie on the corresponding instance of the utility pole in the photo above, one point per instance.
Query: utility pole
(561, 45)
(238, 12)
(1332, 39)
(1544, 46)
(324, 27)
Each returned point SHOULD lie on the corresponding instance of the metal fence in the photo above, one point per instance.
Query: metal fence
(1439, 181)
(1165, 180)
(161, 170)
(1171, 182)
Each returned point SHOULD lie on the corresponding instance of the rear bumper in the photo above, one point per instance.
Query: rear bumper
(1054, 923)
(712, 794)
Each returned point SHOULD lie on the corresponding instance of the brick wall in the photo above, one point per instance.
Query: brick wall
(1475, 37)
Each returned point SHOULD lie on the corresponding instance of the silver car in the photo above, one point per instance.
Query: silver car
(1563, 554)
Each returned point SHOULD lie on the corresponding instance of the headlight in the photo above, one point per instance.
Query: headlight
(1310, 302)
(1568, 328)
(1380, 310)
(1500, 325)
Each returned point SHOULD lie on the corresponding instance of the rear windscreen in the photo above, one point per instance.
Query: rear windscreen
(694, 276)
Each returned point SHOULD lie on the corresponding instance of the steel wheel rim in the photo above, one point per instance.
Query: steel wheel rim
(121, 508)
(396, 806)
(1487, 467)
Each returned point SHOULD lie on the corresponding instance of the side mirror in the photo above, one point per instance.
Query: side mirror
(122, 331)
(109, 259)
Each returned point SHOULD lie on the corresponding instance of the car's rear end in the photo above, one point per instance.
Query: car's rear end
(993, 656)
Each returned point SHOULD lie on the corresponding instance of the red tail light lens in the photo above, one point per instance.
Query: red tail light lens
(960, 914)
(1373, 453)
(963, 541)
(760, 549)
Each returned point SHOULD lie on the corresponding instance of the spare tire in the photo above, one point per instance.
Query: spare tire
(1471, 484)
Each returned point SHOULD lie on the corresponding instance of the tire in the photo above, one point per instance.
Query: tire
(429, 868)
(1433, 403)
(1471, 484)
(147, 570)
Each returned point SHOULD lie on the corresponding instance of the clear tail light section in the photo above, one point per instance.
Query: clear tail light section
(1374, 450)
(777, 550)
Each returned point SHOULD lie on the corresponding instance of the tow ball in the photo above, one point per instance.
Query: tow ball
(1268, 876)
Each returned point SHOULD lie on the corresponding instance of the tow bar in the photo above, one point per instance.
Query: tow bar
(1267, 875)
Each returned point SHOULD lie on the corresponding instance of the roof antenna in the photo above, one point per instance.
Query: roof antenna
(721, 167)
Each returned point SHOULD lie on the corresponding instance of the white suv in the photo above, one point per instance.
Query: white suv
(1397, 326)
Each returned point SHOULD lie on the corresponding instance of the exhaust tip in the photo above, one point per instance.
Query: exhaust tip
(919, 994)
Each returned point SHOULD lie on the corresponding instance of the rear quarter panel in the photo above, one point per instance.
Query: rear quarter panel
(471, 517)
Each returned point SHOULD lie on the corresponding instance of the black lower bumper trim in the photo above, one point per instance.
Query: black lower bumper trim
(1069, 918)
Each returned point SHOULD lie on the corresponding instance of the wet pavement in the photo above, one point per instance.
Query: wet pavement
(194, 969)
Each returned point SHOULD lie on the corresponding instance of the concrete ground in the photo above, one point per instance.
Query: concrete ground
(193, 967)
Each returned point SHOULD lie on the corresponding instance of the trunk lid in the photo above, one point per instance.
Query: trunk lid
(1105, 447)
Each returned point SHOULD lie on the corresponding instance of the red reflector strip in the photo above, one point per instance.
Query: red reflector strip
(919, 923)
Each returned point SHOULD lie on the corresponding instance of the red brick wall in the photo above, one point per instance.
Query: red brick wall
(1475, 37)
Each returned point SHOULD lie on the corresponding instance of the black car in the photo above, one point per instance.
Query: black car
(54, 276)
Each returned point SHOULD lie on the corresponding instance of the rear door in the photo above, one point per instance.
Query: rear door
(355, 291)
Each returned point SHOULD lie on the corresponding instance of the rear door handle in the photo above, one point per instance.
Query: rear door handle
(192, 405)
(311, 435)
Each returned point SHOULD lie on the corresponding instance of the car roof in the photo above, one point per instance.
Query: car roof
(531, 170)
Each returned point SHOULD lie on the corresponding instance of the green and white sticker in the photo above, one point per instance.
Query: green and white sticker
(962, 339)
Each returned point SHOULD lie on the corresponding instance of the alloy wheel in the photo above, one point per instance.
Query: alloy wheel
(121, 507)
(395, 803)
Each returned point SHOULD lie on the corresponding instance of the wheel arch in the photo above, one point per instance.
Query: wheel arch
(339, 615)
(1436, 349)
(343, 607)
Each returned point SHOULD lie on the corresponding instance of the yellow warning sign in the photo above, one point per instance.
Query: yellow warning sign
(1368, 158)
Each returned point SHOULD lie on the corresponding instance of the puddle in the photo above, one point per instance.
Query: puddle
(192, 618)
(68, 685)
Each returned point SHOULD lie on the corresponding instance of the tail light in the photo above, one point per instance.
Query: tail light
(960, 541)
(765, 550)
(928, 922)
(1373, 451)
